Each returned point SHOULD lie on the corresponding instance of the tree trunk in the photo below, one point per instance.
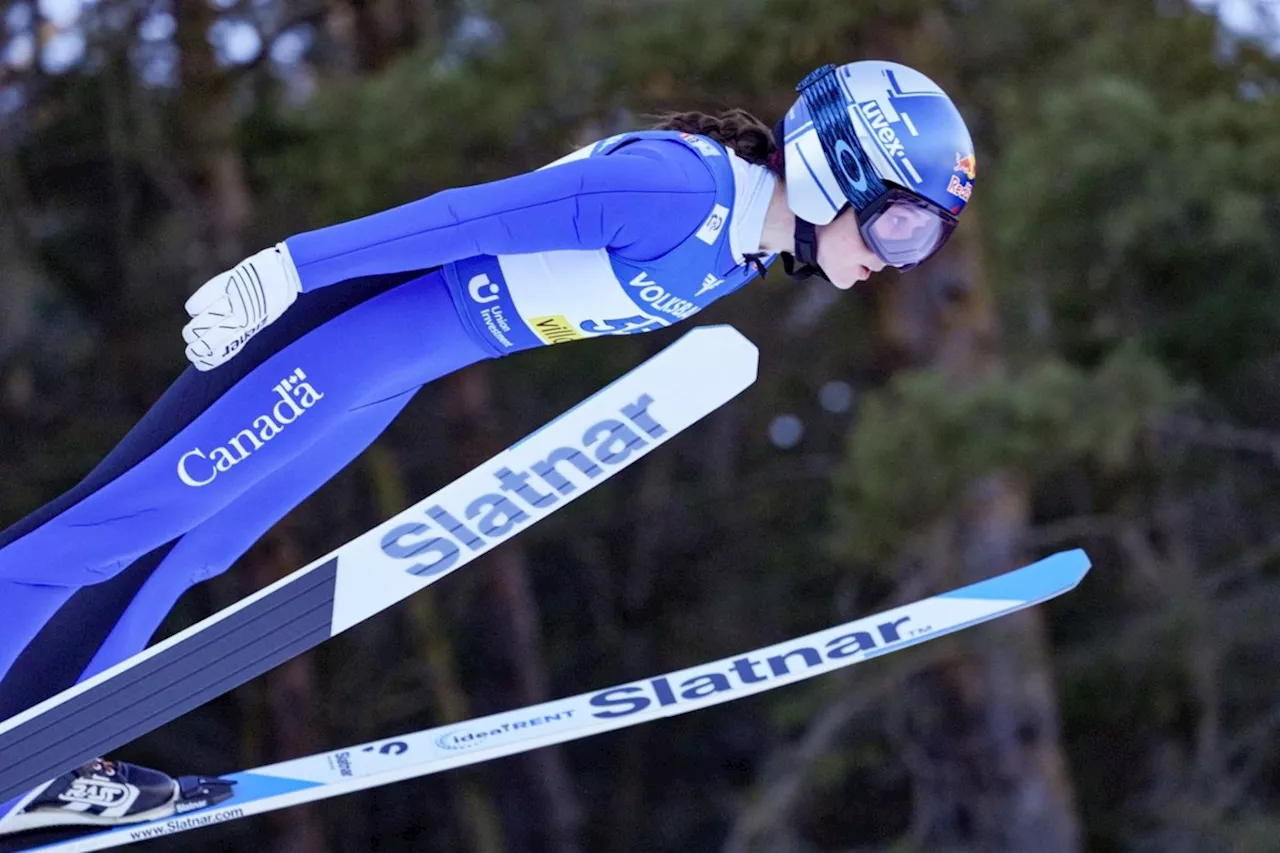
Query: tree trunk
(212, 175)
(516, 620)
(476, 811)
(989, 773)
(290, 717)
(18, 269)
(207, 118)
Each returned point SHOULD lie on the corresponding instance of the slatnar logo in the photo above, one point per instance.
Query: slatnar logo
(435, 547)
(741, 672)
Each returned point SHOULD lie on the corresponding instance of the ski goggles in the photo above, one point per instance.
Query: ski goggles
(901, 227)
(904, 229)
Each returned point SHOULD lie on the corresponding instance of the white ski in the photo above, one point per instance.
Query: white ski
(586, 445)
(370, 765)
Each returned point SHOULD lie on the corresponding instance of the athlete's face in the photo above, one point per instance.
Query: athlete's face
(842, 253)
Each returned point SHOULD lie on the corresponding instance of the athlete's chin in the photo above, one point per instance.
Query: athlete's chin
(846, 282)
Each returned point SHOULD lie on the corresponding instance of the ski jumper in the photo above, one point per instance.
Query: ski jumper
(630, 234)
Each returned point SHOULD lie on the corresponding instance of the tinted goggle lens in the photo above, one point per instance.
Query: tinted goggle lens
(905, 230)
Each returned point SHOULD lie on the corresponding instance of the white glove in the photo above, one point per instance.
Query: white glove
(232, 307)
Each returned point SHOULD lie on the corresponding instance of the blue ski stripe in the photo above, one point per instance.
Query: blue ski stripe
(251, 787)
(1050, 576)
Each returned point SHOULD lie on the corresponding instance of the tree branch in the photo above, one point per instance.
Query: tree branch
(1220, 435)
(789, 771)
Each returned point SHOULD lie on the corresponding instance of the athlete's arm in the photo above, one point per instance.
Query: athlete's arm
(640, 202)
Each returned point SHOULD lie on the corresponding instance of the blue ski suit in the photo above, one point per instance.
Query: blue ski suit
(629, 234)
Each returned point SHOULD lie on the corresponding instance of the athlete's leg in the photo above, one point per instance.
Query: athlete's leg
(415, 336)
(103, 624)
(193, 392)
(26, 607)
(418, 338)
(118, 617)
(377, 350)
(213, 546)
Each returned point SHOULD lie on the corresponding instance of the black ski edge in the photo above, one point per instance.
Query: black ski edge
(268, 632)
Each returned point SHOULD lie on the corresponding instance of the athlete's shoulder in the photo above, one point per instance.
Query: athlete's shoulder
(629, 164)
(683, 151)
(673, 144)
(704, 145)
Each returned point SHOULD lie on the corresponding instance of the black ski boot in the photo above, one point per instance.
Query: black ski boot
(110, 793)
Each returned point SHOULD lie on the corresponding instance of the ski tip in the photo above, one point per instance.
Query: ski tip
(1074, 561)
(1043, 579)
(726, 345)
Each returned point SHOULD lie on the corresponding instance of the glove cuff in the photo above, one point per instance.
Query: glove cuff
(290, 269)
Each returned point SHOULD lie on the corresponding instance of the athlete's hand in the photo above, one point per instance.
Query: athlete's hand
(232, 307)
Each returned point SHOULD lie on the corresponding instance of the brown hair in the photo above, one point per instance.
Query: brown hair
(749, 137)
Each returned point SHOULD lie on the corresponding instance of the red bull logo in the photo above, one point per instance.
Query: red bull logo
(967, 165)
(959, 188)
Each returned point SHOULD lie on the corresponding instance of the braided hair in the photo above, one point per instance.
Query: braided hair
(750, 138)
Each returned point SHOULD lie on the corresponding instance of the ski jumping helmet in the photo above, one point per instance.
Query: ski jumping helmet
(886, 140)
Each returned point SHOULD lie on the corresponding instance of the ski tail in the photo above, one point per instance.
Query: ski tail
(577, 451)
(371, 765)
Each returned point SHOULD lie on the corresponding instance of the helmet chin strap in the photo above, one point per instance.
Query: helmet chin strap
(804, 262)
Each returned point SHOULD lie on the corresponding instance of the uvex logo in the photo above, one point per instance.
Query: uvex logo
(887, 138)
(197, 468)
